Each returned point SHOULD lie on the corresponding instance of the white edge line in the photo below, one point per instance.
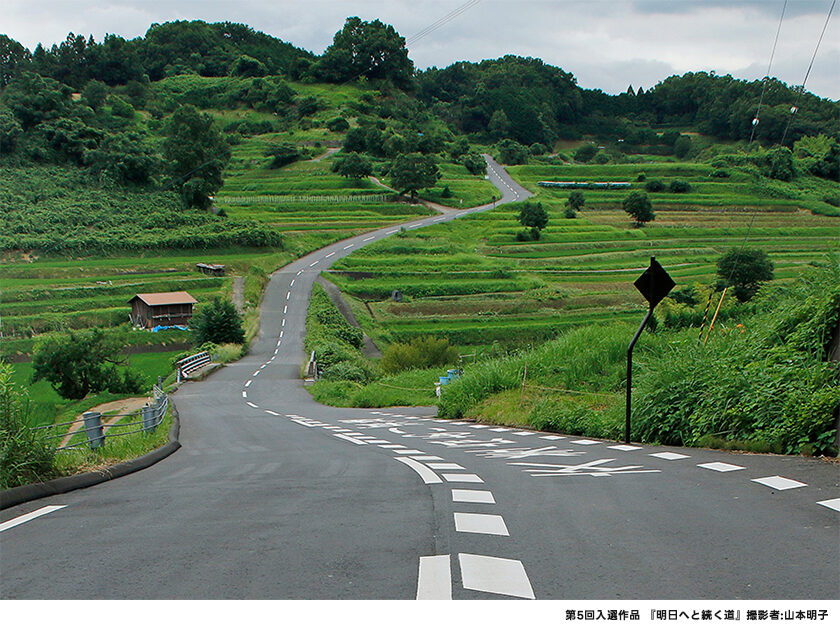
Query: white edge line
(253, 405)
(273, 413)
(424, 471)
(330, 254)
(20, 520)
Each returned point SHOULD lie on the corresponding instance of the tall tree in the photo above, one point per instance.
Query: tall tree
(366, 49)
(744, 270)
(412, 172)
(638, 206)
(197, 154)
(14, 58)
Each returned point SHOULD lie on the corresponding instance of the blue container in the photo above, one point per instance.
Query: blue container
(444, 380)
(453, 374)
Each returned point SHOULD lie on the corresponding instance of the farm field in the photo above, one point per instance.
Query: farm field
(473, 282)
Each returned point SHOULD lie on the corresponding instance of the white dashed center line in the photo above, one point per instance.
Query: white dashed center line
(20, 520)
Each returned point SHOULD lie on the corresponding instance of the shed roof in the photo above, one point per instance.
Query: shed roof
(164, 299)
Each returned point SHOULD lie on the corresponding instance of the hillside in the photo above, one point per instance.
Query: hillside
(123, 164)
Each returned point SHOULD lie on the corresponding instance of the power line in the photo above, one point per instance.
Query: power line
(793, 111)
(766, 76)
(801, 89)
(441, 22)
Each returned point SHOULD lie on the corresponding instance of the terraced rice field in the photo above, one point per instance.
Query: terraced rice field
(472, 281)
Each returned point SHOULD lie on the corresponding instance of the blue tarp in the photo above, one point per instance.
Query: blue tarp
(158, 328)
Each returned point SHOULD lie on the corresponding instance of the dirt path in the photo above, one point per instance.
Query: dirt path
(330, 151)
(129, 405)
(238, 297)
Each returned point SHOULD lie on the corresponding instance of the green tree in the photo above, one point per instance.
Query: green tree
(533, 215)
(94, 94)
(283, 154)
(34, 99)
(585, 152)
(474, 163)
(574, 203)
(638, 206)
(819, 155)
(366, 49)
(499, 125)
(82, 363)
(682, 146)
(10, 131)
(353, 166)
(14, 57)
(246, 66)
(412, 172)
(338, 124)
(120, 108)
(197, 154)
(218, 322)
(511, 152)
(744, 270)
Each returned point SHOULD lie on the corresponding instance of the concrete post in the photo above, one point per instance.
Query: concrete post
(93, 428)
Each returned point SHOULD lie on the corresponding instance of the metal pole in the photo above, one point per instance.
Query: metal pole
(630, 375)
(93, 428)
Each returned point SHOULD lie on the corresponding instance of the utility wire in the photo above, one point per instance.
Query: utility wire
(801, 89)
(766, 77)
(441, 22)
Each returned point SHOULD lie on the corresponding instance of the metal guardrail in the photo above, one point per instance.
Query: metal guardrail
(191, 363)
(151, 417)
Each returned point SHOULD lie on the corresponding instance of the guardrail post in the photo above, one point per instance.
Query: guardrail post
(149, 417)
(93, 428)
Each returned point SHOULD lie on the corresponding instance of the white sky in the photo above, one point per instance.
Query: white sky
(606, 44)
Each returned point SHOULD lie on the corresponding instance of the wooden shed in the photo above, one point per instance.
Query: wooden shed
(161, 309)
(211, 270)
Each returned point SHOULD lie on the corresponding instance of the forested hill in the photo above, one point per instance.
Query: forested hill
(162, 110)
(512, 97)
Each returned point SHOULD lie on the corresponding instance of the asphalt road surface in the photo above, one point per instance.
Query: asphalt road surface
(273, 496)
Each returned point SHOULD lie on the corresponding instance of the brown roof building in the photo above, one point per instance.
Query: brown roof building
(162, 309)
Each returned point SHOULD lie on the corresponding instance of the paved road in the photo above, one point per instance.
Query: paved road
(274, 496)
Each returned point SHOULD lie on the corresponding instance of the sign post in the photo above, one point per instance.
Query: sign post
(654, 284)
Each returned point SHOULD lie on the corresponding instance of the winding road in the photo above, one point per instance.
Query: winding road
(273, 496)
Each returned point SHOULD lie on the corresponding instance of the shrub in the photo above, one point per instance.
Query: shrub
(641, 177)
(654, 185)
(338, 124)
(347, 371)
(720, 173)
(24, 456)
(219, 322)
(679, 186)
(474, 163)
(283, 154)
(585, 152)
(422, 352)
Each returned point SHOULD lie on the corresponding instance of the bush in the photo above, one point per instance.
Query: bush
(474, 163)
(423, 352)
(585, 152)
(720, 173)
(347, 371)
(24, 456)
(679, 186)
(338, 124)
(219, 322)
(654, 185)
(283, 154)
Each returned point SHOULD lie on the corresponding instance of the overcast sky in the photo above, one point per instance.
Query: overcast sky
(606, 44)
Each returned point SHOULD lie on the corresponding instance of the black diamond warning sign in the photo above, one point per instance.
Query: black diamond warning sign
(654, 283)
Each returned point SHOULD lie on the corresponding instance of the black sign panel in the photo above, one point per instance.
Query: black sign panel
(654, 283)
